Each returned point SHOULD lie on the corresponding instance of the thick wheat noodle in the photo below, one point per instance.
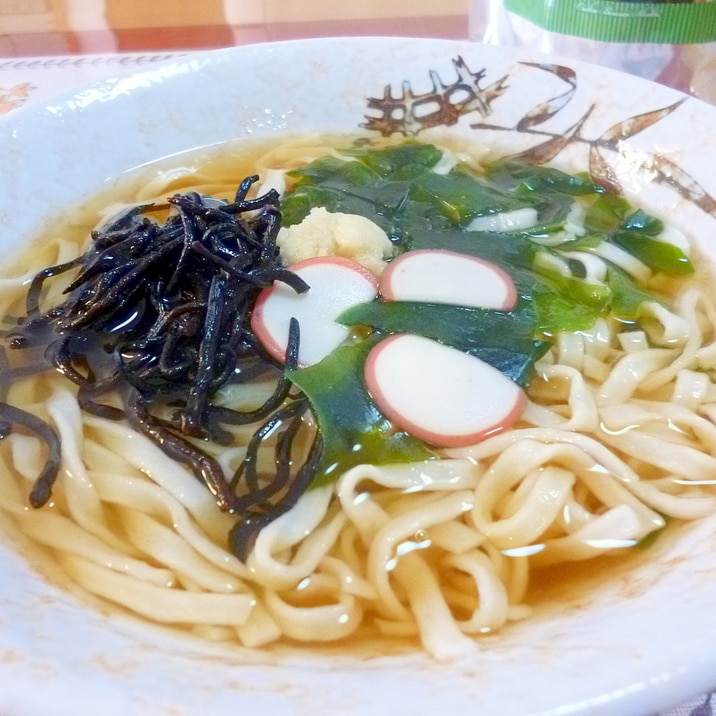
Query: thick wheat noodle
(618, 436)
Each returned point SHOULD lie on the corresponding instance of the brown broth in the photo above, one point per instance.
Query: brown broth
(548, 589)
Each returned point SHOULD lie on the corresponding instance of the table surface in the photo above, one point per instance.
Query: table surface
(47, 46)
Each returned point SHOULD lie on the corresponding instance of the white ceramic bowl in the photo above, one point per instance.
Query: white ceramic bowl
(641, 643)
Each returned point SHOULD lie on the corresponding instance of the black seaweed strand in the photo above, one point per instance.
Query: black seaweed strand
(42, 488)
(154, 323)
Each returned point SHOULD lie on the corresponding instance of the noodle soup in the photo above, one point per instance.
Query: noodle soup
(437, 544)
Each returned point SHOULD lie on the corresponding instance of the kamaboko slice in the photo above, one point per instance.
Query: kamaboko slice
(335, 284)
(440, 276)
(440, 394)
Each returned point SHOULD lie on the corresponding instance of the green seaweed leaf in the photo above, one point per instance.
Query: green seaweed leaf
(354, 431)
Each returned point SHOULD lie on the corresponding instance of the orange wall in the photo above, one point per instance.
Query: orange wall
(124, 14)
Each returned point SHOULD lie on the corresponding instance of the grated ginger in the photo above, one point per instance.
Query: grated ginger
(323, 233)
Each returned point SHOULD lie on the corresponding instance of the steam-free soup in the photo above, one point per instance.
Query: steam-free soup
(191, 491)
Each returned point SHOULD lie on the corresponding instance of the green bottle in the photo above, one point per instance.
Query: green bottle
(669, 41)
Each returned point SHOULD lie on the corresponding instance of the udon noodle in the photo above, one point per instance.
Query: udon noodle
(618, 439)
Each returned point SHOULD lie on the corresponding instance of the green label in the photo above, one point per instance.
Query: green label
(672, 23)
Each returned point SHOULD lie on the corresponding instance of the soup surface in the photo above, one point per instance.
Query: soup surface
(206, 475)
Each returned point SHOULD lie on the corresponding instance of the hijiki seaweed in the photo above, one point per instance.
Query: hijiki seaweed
(158, 316)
